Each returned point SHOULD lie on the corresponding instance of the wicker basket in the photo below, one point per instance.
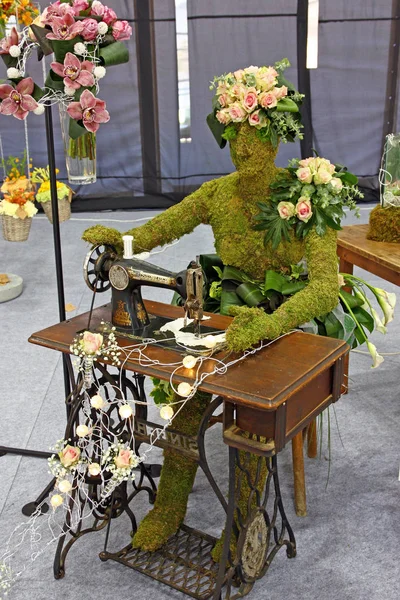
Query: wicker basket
(16, 230)
(64, 209)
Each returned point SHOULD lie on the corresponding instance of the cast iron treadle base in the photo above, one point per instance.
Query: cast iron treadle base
(184, 563)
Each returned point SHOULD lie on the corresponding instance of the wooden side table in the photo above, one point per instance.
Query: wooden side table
(380, 258)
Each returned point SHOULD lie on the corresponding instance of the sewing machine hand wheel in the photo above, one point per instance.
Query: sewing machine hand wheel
(95, 268)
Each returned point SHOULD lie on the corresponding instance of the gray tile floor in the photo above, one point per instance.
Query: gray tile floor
(348, 544)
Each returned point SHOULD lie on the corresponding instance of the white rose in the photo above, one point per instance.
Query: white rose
(80, 49)
(94, 469)
(336, 183)
(99, 72)
(102, 28)
(30, 208)
(15, 51)
(39, 110)
(13, 73)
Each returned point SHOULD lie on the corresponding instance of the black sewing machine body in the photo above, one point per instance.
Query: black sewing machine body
(104, 269)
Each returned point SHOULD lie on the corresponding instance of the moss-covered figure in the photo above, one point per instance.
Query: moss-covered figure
(384, 224)
(229, 204)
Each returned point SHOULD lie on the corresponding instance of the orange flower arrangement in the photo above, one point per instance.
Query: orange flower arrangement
(25, 11)
(18, 204)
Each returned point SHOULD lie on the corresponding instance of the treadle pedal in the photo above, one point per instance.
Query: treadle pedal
(183, 563)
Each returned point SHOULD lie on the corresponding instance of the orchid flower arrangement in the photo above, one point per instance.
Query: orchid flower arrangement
(310, 193)
(86, 37)
(260, 96)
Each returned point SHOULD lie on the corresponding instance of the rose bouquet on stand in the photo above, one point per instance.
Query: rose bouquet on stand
(85, 37)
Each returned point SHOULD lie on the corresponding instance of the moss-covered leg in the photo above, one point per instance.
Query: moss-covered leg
(176, 482)
(258, 477)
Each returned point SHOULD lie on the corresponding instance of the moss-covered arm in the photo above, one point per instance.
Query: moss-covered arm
(170, 225)
(320, 296)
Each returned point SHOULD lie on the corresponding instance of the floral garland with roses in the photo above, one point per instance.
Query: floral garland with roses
(260, 96)
(311, 193)
(85, 37)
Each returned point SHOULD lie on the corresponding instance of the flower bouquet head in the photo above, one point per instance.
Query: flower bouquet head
(15, 178)
(310, 193)
(259, 96)
(25, 12)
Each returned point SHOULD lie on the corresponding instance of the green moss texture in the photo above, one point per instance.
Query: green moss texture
(384, 224)
(229, 204)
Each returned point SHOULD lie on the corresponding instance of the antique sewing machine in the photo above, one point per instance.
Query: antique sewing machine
(104, 269)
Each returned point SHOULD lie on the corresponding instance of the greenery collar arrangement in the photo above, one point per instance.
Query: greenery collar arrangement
(309, 194)
(260, 96)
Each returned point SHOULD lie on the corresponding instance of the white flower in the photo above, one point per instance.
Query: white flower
(102, 28)
(82, 430)
(65, 486)
(94, 469)
(80, 49)
(97, 401)
(30, 209)
(13, 73)
(189, 361)
(387, 302)
(14, 51)
(379, 326)
(376, 358)
(166, 412)
(56, 500)
(99, 72)
(125, 411)
(184, 389)
(69, 91)
(39, 110)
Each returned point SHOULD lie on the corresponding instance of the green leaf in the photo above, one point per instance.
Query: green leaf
(347, 177)
(219, 271)
(44, 43)
(75, 130)
(364, 318)
(61, 47)
(274, 281)
(292, 287)
(233, 274)
(229, 298)
(250, 294)
(217, 129)
(114, 54)
(351, 300)
(287, 105)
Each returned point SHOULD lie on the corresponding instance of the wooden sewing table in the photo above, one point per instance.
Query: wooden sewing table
(273, 394)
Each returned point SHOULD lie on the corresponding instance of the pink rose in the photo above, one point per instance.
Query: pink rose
(286, 210)
(304, 175)
(223, 99)
(303, 209)
(336, 183)
(124, 459)
(306, 162)
(109, 15)
(238, 90)
(79, 6)
(237, 113)
(239, 74)
(268, 100)
(257, 119)
(250, 99)
(121, 30)
(97, 8)
(69, 456)
(89, 29)
(223, 116)
(280, 92)
(91, 342)
(322, 176)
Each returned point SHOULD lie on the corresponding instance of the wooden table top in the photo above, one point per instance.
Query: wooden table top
(264, 380)
(354, 238)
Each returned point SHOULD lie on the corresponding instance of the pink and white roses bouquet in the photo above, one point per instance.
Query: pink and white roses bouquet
(311, 193)
(86, 37)
(120, 461)
(260, 96)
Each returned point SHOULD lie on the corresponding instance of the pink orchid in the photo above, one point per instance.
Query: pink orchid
(90, 110)
(64, 28)
(11, 40)
(75, 72)
(17, 101)
(57, 9)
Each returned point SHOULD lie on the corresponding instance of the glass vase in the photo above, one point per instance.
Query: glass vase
(389, 175)
(80, 153)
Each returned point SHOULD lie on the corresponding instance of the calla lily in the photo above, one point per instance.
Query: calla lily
(64, 28)
(18, 101)
(379, 326)
(11, 40)
(90, 110)
(376, 358)
(75, 72)
(387, 302)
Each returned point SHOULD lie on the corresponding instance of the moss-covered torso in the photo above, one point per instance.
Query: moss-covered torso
(229, 204)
